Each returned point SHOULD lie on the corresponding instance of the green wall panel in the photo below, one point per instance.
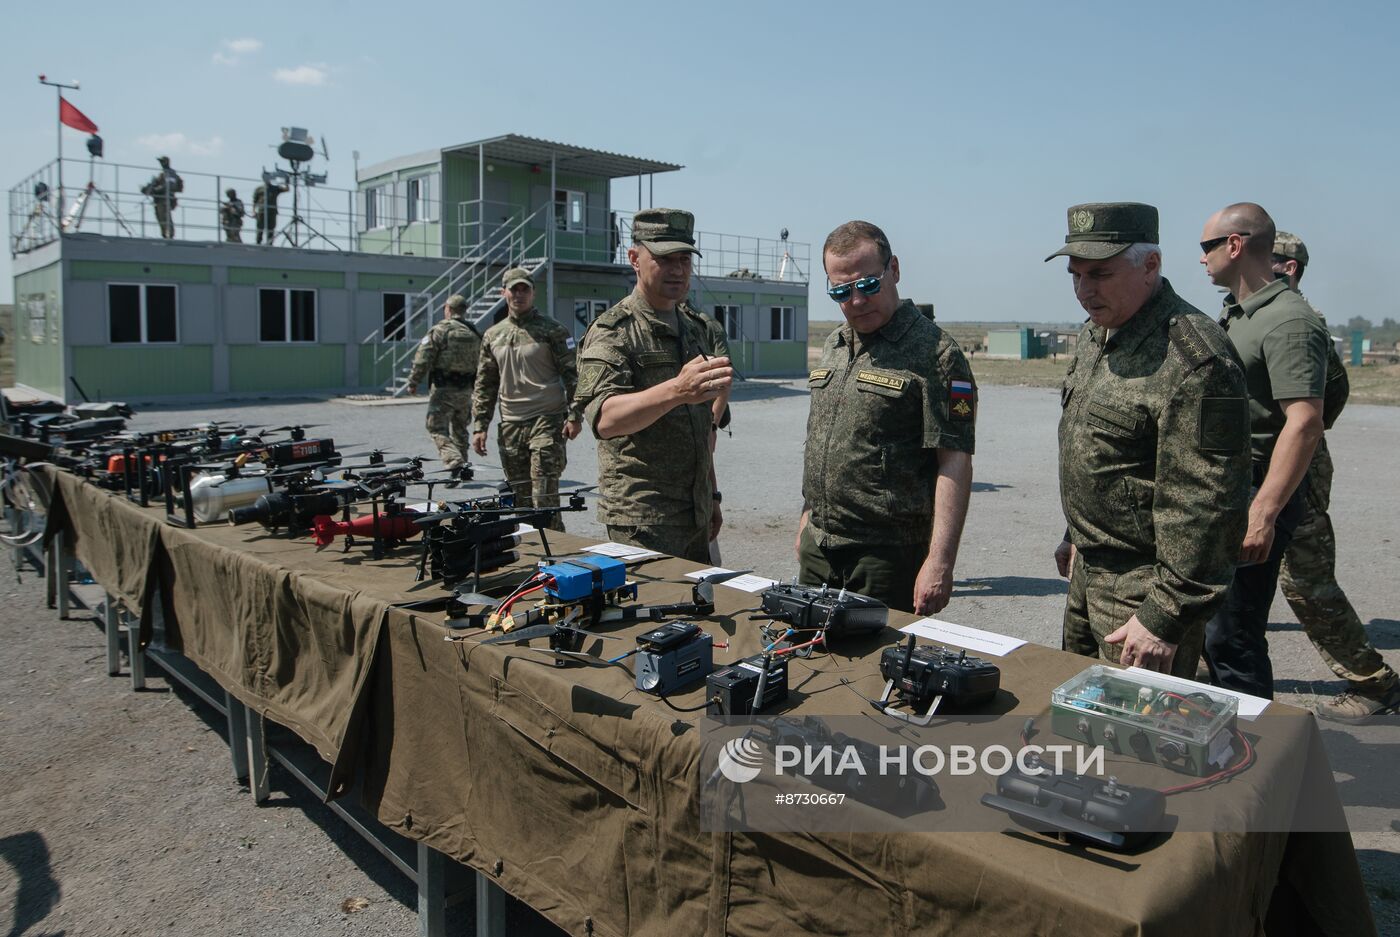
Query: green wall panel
(781, 358)
(38, 330)
(264, 276)
(374, 375)
(122, 270)
(118, 372)
(391, 281)
(254, 368)
(741, 354)
(783, 299)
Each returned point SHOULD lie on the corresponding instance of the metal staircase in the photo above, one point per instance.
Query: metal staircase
(476, 275)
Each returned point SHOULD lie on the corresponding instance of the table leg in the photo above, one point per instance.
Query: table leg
(257, 758)
(114, 636)
(237, 735)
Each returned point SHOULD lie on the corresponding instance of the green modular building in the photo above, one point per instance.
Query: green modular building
(1020, 343)
(352, 279)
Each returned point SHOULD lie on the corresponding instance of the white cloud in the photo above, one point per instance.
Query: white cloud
(233, 50)
(310, 75)
(177, 144)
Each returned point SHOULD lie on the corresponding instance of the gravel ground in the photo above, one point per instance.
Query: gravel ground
(119, 813)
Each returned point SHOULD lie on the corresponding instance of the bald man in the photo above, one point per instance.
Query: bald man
(1282, 344)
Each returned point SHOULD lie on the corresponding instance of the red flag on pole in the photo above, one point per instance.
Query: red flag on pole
(72, 117)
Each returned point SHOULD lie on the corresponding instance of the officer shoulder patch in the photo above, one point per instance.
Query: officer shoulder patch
(1193, 342)
(569, 342)
(1224, 424)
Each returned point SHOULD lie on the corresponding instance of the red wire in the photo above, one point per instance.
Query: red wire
(1244, 762)
(797, 647)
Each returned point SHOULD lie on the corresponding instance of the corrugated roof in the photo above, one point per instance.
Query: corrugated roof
(534, 151)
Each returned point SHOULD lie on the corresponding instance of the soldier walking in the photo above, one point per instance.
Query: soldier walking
(1308, 575)
(447, 357)
(527, 363)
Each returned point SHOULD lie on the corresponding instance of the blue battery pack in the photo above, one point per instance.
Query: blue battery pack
(577, 577)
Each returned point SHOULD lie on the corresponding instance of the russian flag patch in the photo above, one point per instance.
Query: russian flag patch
(960, 400)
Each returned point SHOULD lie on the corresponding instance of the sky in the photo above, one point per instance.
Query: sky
(964, 130)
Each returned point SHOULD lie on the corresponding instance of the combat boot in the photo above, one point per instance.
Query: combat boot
(1356, 706)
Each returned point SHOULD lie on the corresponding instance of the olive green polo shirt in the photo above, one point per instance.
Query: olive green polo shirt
(1282, 343)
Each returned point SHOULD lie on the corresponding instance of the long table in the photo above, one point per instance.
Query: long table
(577, 793)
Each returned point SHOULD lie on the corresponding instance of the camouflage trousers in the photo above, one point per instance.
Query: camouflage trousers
(533, 457)
(1102, 600)
(167, 226)
(688, 543)
(449, 423)
(1308, 578)
(233, 234)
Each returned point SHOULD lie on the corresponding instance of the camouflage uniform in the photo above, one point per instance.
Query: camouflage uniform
(881, 408)
(1154, 459)
(231, 218)
(1154, 477)
(528, 363)
(265, 210)
(447, 356)
(162, 189)
(1308, 574)
(655, 483)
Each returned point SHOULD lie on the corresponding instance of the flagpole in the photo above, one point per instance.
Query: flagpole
(58, 87)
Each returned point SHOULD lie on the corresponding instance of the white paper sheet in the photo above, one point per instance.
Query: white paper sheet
(621, 551)
(745, 583)
(974, 639)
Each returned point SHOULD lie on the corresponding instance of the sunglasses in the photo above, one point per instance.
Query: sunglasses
(521, 288)
(868, 286)
(1213, 243)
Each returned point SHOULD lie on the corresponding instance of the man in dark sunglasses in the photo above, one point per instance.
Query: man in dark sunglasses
(654, 375)
(1282, 344)
(1154, 451)
(888, 463)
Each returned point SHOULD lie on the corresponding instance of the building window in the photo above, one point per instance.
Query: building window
(286, 315)
(421, 198)
(731, 318)
(395, 317)
(585, 311)
(372, 207)
(570, 209)
(781, 323)
(140, 313)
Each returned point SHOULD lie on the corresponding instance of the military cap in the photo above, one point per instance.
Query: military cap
(230, 192)
(163, 160)
(1100, 230)
(664, 230)
(456, 301)
(516, 275)
(1291, 246)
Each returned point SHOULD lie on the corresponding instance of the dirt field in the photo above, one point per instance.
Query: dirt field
(119, 814)
(1370, 383)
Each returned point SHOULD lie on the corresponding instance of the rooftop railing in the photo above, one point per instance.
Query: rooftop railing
(112, 199)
